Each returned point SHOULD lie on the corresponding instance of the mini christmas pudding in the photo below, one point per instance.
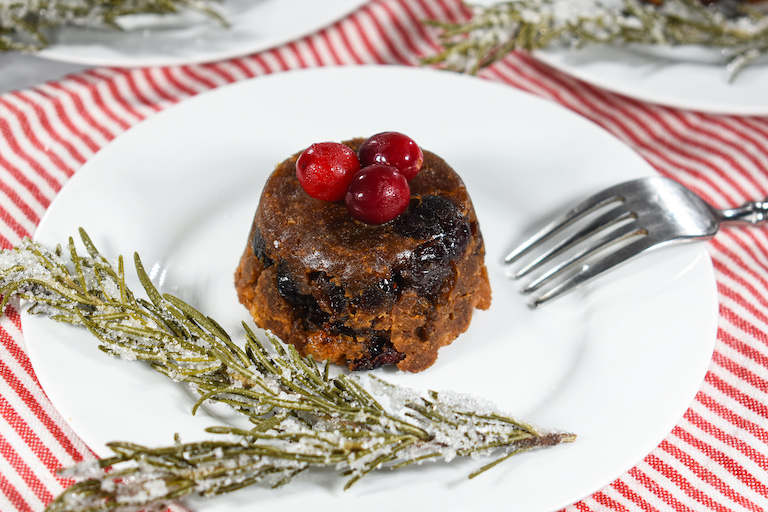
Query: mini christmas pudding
(365, 253)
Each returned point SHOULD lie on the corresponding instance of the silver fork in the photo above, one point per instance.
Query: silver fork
(614, 226)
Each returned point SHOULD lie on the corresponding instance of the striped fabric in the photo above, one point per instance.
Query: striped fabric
(716, 458)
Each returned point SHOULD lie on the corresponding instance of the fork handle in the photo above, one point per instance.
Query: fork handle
(754, 212)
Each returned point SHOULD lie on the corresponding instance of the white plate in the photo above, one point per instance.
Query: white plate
(694, 84)
(193, 38)
(684, 77)
(618, 364)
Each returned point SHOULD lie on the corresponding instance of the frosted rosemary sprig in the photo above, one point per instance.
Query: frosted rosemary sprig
(494, 31)
(302, 416)
(25, 24)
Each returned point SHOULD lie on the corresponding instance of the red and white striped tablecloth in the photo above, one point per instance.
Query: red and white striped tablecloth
(716, 458)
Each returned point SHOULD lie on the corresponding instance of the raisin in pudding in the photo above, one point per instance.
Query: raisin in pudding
(365, 261)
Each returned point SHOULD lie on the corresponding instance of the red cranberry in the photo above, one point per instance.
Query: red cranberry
(395, 149)
(325, 169)
(377, 194)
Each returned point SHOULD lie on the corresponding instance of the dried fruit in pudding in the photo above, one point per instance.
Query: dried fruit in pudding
(365, 295)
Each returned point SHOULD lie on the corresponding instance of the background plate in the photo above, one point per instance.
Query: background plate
(193, 38)
(684, 77)
(667, 80)
(618, 364)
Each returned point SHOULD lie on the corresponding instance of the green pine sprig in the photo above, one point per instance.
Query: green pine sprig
(25, 25)
(302, 417)
(526, 25)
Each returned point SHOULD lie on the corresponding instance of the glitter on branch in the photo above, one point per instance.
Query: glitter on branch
(302, 417)
(735, 28)
(26, 25)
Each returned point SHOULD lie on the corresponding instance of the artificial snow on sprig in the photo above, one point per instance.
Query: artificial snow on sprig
(739, 30)
(25, 24)
(302, 416)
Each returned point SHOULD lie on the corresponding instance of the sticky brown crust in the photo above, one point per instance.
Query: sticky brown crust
(361, 295)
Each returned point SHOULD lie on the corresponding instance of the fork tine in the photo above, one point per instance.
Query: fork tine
(579, 211)
(599, 224)
(594, 270)
(619, 235)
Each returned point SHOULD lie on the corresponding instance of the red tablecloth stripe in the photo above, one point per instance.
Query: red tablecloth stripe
(715, 458)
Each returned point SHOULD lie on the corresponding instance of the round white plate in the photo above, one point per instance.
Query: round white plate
(666, 80)
(617, 364)
(690, 78)
(190, 37)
